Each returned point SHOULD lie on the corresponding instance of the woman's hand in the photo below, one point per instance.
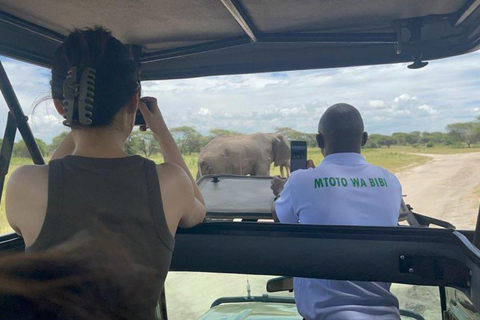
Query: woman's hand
(152, 115)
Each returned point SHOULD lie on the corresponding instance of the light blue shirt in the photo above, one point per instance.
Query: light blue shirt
(343, 190)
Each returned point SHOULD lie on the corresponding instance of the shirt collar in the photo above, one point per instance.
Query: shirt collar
(345, 158)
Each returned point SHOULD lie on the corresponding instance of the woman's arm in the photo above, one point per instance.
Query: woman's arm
(66, 147)
(170, 151)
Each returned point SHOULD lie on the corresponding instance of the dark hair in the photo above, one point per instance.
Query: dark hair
(117, 73)
(82, 279)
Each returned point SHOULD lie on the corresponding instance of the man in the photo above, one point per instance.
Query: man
(343, 190)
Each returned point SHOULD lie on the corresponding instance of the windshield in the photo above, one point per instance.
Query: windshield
(423, 125)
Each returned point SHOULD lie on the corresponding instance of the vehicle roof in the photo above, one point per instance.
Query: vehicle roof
(184, 38)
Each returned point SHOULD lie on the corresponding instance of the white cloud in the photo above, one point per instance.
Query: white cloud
(376, 103)
(204, 111)
(296, 111)
(404, 97)
(427, 108)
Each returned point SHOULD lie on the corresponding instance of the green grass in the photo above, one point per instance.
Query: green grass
(434, 150)
(394, 159)
(391, 159)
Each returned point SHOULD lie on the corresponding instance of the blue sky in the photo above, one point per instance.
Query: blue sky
(391, 98)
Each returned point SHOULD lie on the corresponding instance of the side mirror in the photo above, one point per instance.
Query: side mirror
(280, 284)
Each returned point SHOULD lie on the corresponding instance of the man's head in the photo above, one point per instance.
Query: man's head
(341, 130)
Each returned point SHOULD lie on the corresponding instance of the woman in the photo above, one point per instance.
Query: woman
(91, 183)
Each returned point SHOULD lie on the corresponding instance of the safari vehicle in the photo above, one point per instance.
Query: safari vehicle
(186, 39)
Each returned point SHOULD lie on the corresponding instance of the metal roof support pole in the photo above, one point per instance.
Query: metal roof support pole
(476, 236)
(20, 118)
(7, 149)
(238, 12)
(467, 12)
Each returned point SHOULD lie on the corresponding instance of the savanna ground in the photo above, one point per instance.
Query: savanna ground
(441, 182)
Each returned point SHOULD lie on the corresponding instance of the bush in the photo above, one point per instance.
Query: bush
(430, 144)
(371, 144)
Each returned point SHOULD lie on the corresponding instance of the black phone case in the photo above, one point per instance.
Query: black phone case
(139, 120)
(298, 155)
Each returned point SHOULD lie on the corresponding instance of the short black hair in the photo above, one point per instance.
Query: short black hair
(341, 122)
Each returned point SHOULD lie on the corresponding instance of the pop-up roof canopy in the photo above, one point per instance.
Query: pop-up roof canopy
(185, 38)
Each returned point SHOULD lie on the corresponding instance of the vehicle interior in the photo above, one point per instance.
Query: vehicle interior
(186, 39)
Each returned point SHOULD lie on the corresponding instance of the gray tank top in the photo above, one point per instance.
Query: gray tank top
(120, 195)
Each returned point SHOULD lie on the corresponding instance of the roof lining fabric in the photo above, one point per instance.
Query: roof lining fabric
(212, 37)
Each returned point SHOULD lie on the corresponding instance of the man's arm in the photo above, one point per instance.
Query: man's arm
(282, 209)
(284, 204)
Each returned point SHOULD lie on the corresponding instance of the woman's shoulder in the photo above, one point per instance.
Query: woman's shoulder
(24, 177)
(28, 173)
(172, 171)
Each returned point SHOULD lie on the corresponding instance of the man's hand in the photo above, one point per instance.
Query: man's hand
(278, 182)
(310, 164)
(277, 185)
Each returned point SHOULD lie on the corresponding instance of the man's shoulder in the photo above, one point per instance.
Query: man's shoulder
(379, 169)
(384, 172)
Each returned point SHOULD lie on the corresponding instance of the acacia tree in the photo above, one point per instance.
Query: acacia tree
(382, 140)
(142, 142)
(224, 132)
(401, 137)
(468, 132)
(292, 134)
(187, 139)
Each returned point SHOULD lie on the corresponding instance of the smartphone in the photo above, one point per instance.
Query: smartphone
(298, 155)
(139, 121)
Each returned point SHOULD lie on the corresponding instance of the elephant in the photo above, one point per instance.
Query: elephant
(249, 154)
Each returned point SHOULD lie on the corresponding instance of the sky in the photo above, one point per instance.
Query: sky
(391, 98)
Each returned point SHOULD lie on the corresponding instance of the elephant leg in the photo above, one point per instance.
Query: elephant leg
(262, 170)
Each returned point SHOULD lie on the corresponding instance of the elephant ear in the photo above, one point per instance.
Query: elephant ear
(280, 151)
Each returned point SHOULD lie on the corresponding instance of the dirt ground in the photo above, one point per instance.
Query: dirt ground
(447, 187)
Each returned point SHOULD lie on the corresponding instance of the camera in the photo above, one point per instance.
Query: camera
(139, 120)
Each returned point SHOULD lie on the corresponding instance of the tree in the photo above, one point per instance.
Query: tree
(142, 142)
(401, 138)
(468, 132)
(382, 140)
(292, 134)
(187, 139)
(224, 132)
(20, 149)
(414, 137)
(56, 142)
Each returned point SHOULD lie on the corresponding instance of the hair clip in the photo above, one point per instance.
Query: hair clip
(70, 93)
(79, 97)
(86, 97)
